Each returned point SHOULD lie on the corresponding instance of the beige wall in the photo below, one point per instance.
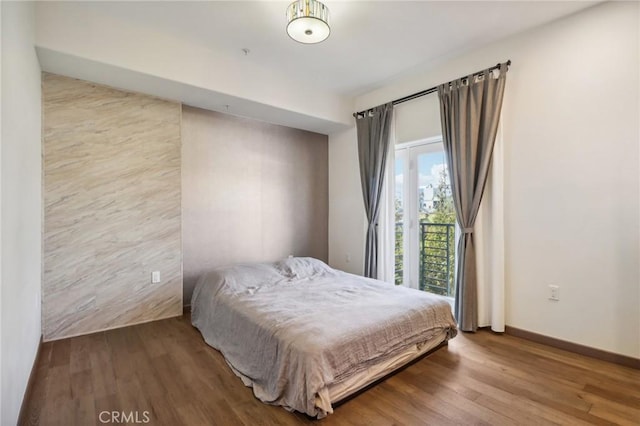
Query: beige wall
(112, 199)
(252, 191)
(347, 218)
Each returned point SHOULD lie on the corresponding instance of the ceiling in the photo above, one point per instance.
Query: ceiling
(371, 42)
(192, 52)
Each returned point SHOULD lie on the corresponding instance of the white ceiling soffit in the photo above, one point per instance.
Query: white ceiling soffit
(134, 81)
(371, 44)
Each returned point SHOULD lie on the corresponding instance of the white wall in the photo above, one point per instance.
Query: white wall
(21, 204)
(1, 33)
(347, 218)
(418, 119)
(571, 131)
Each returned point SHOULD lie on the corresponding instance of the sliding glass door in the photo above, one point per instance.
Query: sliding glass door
(425, 230)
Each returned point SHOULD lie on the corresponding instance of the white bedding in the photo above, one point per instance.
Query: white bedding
(292, 330)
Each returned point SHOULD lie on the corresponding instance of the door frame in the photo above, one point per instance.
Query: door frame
(409, 152)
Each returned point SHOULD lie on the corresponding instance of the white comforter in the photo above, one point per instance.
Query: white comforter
(290, 330)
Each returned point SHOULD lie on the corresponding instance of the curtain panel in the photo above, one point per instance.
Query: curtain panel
(469, 113)
(373, 146)
(386, 218)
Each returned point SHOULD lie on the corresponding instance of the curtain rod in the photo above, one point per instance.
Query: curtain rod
(431, 90)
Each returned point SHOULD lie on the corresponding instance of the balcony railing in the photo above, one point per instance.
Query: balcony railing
(436, 257)
(399, 254)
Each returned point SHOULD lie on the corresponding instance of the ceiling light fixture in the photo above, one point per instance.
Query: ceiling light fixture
(308, 21)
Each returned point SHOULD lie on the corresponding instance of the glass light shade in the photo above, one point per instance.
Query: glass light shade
(308, 21)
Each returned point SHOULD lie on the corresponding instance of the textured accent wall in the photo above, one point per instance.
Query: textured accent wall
(252, 191)
(112, 207)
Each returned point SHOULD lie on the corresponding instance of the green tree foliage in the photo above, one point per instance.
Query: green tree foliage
(443, 210)
(437, 242)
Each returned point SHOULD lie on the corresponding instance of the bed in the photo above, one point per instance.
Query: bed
(304, 335)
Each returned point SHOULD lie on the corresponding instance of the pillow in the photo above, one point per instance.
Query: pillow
(303, 267)
(246, 276)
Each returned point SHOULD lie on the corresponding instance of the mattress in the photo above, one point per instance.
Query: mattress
(303, 335)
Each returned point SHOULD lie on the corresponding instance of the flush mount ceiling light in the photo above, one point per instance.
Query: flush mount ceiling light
(308, 21)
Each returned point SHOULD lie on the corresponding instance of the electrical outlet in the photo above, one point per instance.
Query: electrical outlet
(554, 292)
(347, 258)
(155, 277)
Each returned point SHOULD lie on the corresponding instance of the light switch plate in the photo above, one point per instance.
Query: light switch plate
(155, 277)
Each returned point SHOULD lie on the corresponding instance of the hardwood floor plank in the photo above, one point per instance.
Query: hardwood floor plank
(45, 355)
(615, 417)
(102, 375)
(535, 383)
(402, 410)
(519, 365)
(359, 412)
(81, 384)
(161, 407)
(456, 380)
(59, 385)
(602, 405)
(40, 385)
(217, 412)
(454, 406)
(190, 414)
(516, 415)
(55, 414)
(613, 395)
(251, 414)
(104, 405)
(165, 369)
(555, 357)
(84, 411)
(60, 353)
(163, 413)
(178, 393)
(79, 358)
(521, 391)
(150, 335)
(123, 361)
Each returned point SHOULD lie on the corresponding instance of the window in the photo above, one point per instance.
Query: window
(425, 229)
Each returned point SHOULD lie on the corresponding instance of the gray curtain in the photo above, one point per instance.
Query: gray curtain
(373, 145)
(469, 112)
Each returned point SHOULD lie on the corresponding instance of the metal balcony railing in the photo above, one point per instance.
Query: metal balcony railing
(399, 254)
(437, 258)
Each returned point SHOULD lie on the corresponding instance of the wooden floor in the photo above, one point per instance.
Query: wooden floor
(165, 369)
